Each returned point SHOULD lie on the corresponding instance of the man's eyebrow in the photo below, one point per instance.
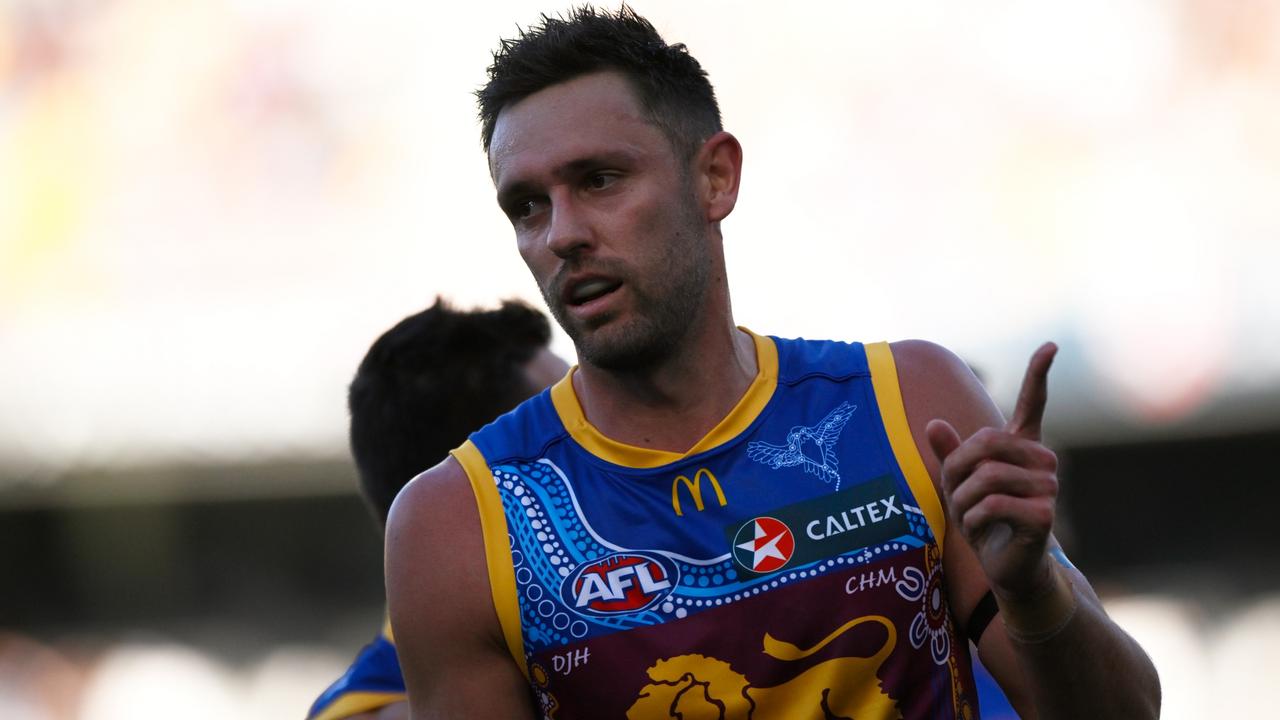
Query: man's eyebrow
(574, 168)
(509, 193)
(566, 171)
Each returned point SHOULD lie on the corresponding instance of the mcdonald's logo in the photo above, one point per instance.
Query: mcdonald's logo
(695, 489)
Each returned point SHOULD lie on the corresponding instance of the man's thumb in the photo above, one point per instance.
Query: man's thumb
(943, 438)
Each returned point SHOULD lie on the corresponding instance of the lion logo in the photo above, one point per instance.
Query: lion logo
(696, 687)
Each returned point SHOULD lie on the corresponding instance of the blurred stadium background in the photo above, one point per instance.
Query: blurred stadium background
(209, 209)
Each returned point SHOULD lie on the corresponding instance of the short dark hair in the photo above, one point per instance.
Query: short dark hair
(432, 380)
(671, 86)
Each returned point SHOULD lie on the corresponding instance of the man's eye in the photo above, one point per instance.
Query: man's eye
(600, 181)
(526, 209)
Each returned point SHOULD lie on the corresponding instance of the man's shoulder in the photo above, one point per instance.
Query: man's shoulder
(937, 383)
(432, 495)
(928, 359)
(433, 532)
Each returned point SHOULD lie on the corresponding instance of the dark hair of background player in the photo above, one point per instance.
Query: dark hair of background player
(432, 380)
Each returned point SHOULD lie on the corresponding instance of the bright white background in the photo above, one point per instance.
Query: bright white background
(208, 210)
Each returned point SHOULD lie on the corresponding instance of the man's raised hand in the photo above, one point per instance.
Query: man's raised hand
(1001, 488)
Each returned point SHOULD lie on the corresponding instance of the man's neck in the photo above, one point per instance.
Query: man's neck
(671, 405)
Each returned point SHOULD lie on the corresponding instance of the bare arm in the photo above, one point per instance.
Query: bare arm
(455, 662)
(1052, 648)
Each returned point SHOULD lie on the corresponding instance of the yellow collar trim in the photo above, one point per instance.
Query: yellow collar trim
(748, 408)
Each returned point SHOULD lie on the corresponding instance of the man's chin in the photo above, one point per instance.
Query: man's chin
(614, 347)
(581, 329)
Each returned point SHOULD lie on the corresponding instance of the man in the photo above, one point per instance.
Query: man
(704, 522)
(423, 386)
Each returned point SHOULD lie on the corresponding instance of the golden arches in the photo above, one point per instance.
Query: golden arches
(695, 489)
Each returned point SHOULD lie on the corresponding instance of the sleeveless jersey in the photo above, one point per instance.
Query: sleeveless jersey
(787, 566)
(374, 680)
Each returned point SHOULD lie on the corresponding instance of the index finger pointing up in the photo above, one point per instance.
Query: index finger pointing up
(1029, 411)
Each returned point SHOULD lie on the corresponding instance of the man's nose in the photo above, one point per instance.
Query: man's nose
(569, 232)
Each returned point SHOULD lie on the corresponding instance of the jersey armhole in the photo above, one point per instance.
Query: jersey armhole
(493, 526)
(884, 381)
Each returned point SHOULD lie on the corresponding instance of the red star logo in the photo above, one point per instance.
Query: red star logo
(764, 544)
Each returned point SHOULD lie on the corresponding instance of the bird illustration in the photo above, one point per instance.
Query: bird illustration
(814, 447)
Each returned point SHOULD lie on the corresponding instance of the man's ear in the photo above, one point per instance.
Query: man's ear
(719, 168)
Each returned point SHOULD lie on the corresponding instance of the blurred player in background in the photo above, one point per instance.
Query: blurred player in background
(422, 388)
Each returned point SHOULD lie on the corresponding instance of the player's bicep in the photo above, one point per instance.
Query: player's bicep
(446, 630)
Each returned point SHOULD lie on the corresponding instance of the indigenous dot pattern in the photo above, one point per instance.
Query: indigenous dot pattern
(549, 541)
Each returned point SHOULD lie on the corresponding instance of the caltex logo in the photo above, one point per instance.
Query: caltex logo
(763, 545)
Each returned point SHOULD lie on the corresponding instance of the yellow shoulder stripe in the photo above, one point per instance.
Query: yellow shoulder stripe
(884, 380)
(493, 526)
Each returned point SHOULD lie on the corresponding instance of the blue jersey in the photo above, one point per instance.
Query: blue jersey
(787, 566)
(374, 680)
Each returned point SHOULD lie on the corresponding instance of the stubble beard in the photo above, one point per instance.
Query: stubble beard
(664, 306)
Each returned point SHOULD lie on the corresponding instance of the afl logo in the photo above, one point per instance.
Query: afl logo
(620, 584)
(763, 545)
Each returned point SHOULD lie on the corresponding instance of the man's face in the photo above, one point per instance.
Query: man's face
(605, 218)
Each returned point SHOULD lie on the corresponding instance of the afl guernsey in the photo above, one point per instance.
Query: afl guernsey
(787, 566)
(373, 681)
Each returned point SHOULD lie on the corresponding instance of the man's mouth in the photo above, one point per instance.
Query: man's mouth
(583, 292)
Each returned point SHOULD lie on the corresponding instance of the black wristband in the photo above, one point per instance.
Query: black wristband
(981, 617)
